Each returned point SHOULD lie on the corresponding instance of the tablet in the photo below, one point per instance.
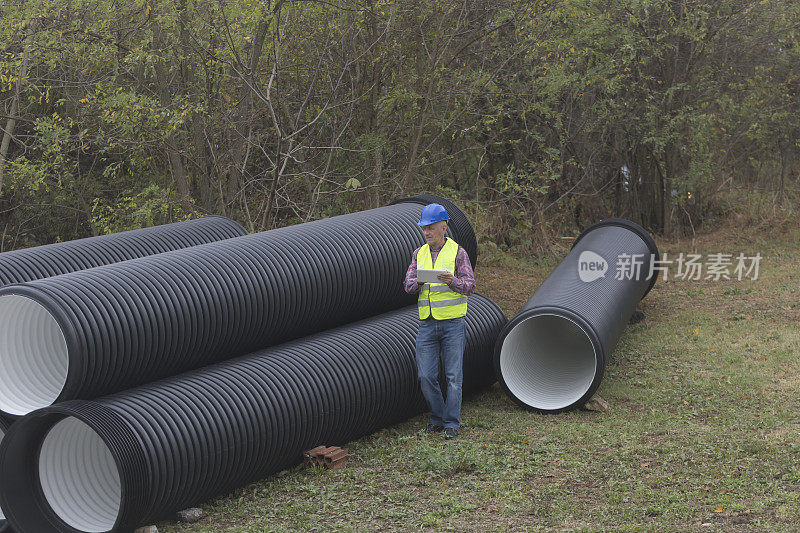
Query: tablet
(425, 275)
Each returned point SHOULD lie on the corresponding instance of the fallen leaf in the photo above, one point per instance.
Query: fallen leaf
(718, 509)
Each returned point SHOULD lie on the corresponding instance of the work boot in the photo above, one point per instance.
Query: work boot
(432, 428)
(450, 433)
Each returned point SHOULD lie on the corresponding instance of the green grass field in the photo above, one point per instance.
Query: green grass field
(703, 432)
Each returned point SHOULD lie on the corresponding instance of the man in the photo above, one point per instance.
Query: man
(442, 308)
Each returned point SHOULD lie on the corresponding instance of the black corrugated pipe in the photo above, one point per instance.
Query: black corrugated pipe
(551, 356)
(19, 266)
(4, 425)
(137, 457)
(99, 331)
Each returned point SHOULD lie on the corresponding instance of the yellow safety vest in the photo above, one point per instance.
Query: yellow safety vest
(438, 298)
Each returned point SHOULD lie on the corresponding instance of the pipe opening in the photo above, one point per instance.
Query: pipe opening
(79, 477)
(548, 361)
(33, 356)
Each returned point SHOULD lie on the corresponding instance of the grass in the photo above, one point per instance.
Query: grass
(703, 432)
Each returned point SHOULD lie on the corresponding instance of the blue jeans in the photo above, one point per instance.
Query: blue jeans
(447, 337)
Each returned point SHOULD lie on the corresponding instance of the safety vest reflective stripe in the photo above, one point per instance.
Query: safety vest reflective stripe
(439, 288)
(442, 303)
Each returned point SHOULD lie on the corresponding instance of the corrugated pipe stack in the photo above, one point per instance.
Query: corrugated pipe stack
(552, 355)
(179, 441)
(90, 333)
(19, 266)
(138, 456)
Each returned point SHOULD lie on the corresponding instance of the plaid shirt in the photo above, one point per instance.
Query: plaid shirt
(463, 281)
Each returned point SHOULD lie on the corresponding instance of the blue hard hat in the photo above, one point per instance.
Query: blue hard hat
(432, 213)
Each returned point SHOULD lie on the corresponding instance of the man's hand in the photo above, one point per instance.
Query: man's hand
(445, 277)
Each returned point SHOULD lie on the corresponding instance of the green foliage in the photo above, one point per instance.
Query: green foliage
(54, 169)
(545, 115)
(137, 209)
